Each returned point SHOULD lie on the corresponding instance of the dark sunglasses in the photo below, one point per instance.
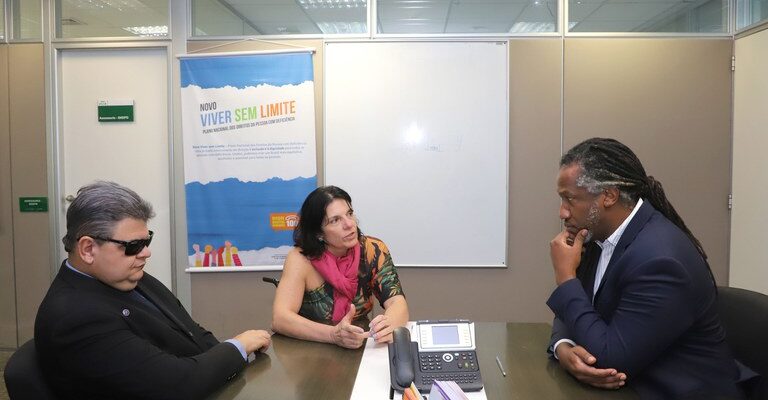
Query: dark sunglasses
(133, 247)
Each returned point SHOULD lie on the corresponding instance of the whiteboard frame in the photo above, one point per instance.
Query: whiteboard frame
(505, 263)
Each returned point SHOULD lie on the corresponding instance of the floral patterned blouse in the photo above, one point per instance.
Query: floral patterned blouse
(376, 276)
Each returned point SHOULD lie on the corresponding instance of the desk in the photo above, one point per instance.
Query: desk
(301, 370)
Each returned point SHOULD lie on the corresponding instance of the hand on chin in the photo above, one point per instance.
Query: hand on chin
(570, 236)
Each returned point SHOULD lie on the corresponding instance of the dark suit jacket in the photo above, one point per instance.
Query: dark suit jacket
(96, 342)
(654, 315)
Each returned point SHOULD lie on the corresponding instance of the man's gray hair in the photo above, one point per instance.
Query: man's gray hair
(98, 207)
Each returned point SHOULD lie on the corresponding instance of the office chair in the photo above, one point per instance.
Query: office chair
(23, 376)
(744, 315)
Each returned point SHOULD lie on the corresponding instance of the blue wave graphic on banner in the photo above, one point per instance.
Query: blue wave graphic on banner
(240, 211)
(247, 70)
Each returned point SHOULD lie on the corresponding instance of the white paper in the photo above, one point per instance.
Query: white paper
(372, 380)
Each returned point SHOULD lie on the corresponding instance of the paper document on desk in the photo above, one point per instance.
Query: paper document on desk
(372, 381)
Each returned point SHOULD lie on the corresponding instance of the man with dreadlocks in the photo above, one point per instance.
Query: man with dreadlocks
(635, 298)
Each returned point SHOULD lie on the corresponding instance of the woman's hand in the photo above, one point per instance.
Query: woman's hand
(395, 315)
(381, 328)
(345, 334)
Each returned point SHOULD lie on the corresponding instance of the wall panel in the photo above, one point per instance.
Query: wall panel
(7, 281)
(670, 101)
(750, 186)
(31, 231)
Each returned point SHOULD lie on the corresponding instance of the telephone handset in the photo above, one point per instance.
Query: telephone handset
(401, 359)
(407, 364)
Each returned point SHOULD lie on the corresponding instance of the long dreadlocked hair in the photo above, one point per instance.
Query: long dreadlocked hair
(608, 162)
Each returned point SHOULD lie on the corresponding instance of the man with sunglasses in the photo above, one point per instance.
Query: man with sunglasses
(106, 329)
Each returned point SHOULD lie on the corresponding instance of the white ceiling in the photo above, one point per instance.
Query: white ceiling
(88, 18)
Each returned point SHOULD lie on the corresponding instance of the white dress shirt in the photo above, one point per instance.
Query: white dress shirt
(607, 247)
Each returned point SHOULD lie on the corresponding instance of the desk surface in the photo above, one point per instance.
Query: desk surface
(301, 370)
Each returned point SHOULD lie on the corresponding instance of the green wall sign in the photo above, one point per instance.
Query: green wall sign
(33, 204)
(115, 110)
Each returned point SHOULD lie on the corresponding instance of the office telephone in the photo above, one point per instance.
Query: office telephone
(443, 351)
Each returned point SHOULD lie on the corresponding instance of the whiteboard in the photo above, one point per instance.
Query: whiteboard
(416, 132)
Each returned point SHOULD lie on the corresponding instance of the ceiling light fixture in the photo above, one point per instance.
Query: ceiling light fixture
(330, 4)
(343, 27)
(527, 27)
(148, 31)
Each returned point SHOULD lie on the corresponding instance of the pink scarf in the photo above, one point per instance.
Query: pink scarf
(341, 273)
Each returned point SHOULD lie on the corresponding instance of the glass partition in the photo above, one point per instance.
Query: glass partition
(111, 18)
(2, 20)
(222, 18)
(278, 17)
(749, 12)
(702, 16)
(466, 16)
(27, 17)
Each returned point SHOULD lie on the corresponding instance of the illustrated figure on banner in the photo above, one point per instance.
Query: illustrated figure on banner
(223, 256)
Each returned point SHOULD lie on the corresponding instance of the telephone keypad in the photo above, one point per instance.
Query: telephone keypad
(455, 361)
(430, 362)
(458, 378)
(460, 367)
(431, 366)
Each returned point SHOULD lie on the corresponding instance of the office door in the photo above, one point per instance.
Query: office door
(132, 153)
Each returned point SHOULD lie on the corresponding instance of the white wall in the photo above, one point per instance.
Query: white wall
(749, 217)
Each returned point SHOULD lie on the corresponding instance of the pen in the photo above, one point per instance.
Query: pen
(498, 362)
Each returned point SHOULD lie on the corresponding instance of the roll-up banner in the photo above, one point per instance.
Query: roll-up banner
(249, 156)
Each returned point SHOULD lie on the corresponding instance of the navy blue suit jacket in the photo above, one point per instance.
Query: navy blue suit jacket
(654, 315)
(96, 342)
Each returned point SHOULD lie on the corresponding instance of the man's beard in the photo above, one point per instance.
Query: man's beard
(593, 218)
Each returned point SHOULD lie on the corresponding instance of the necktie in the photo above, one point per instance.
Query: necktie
(139, 297)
